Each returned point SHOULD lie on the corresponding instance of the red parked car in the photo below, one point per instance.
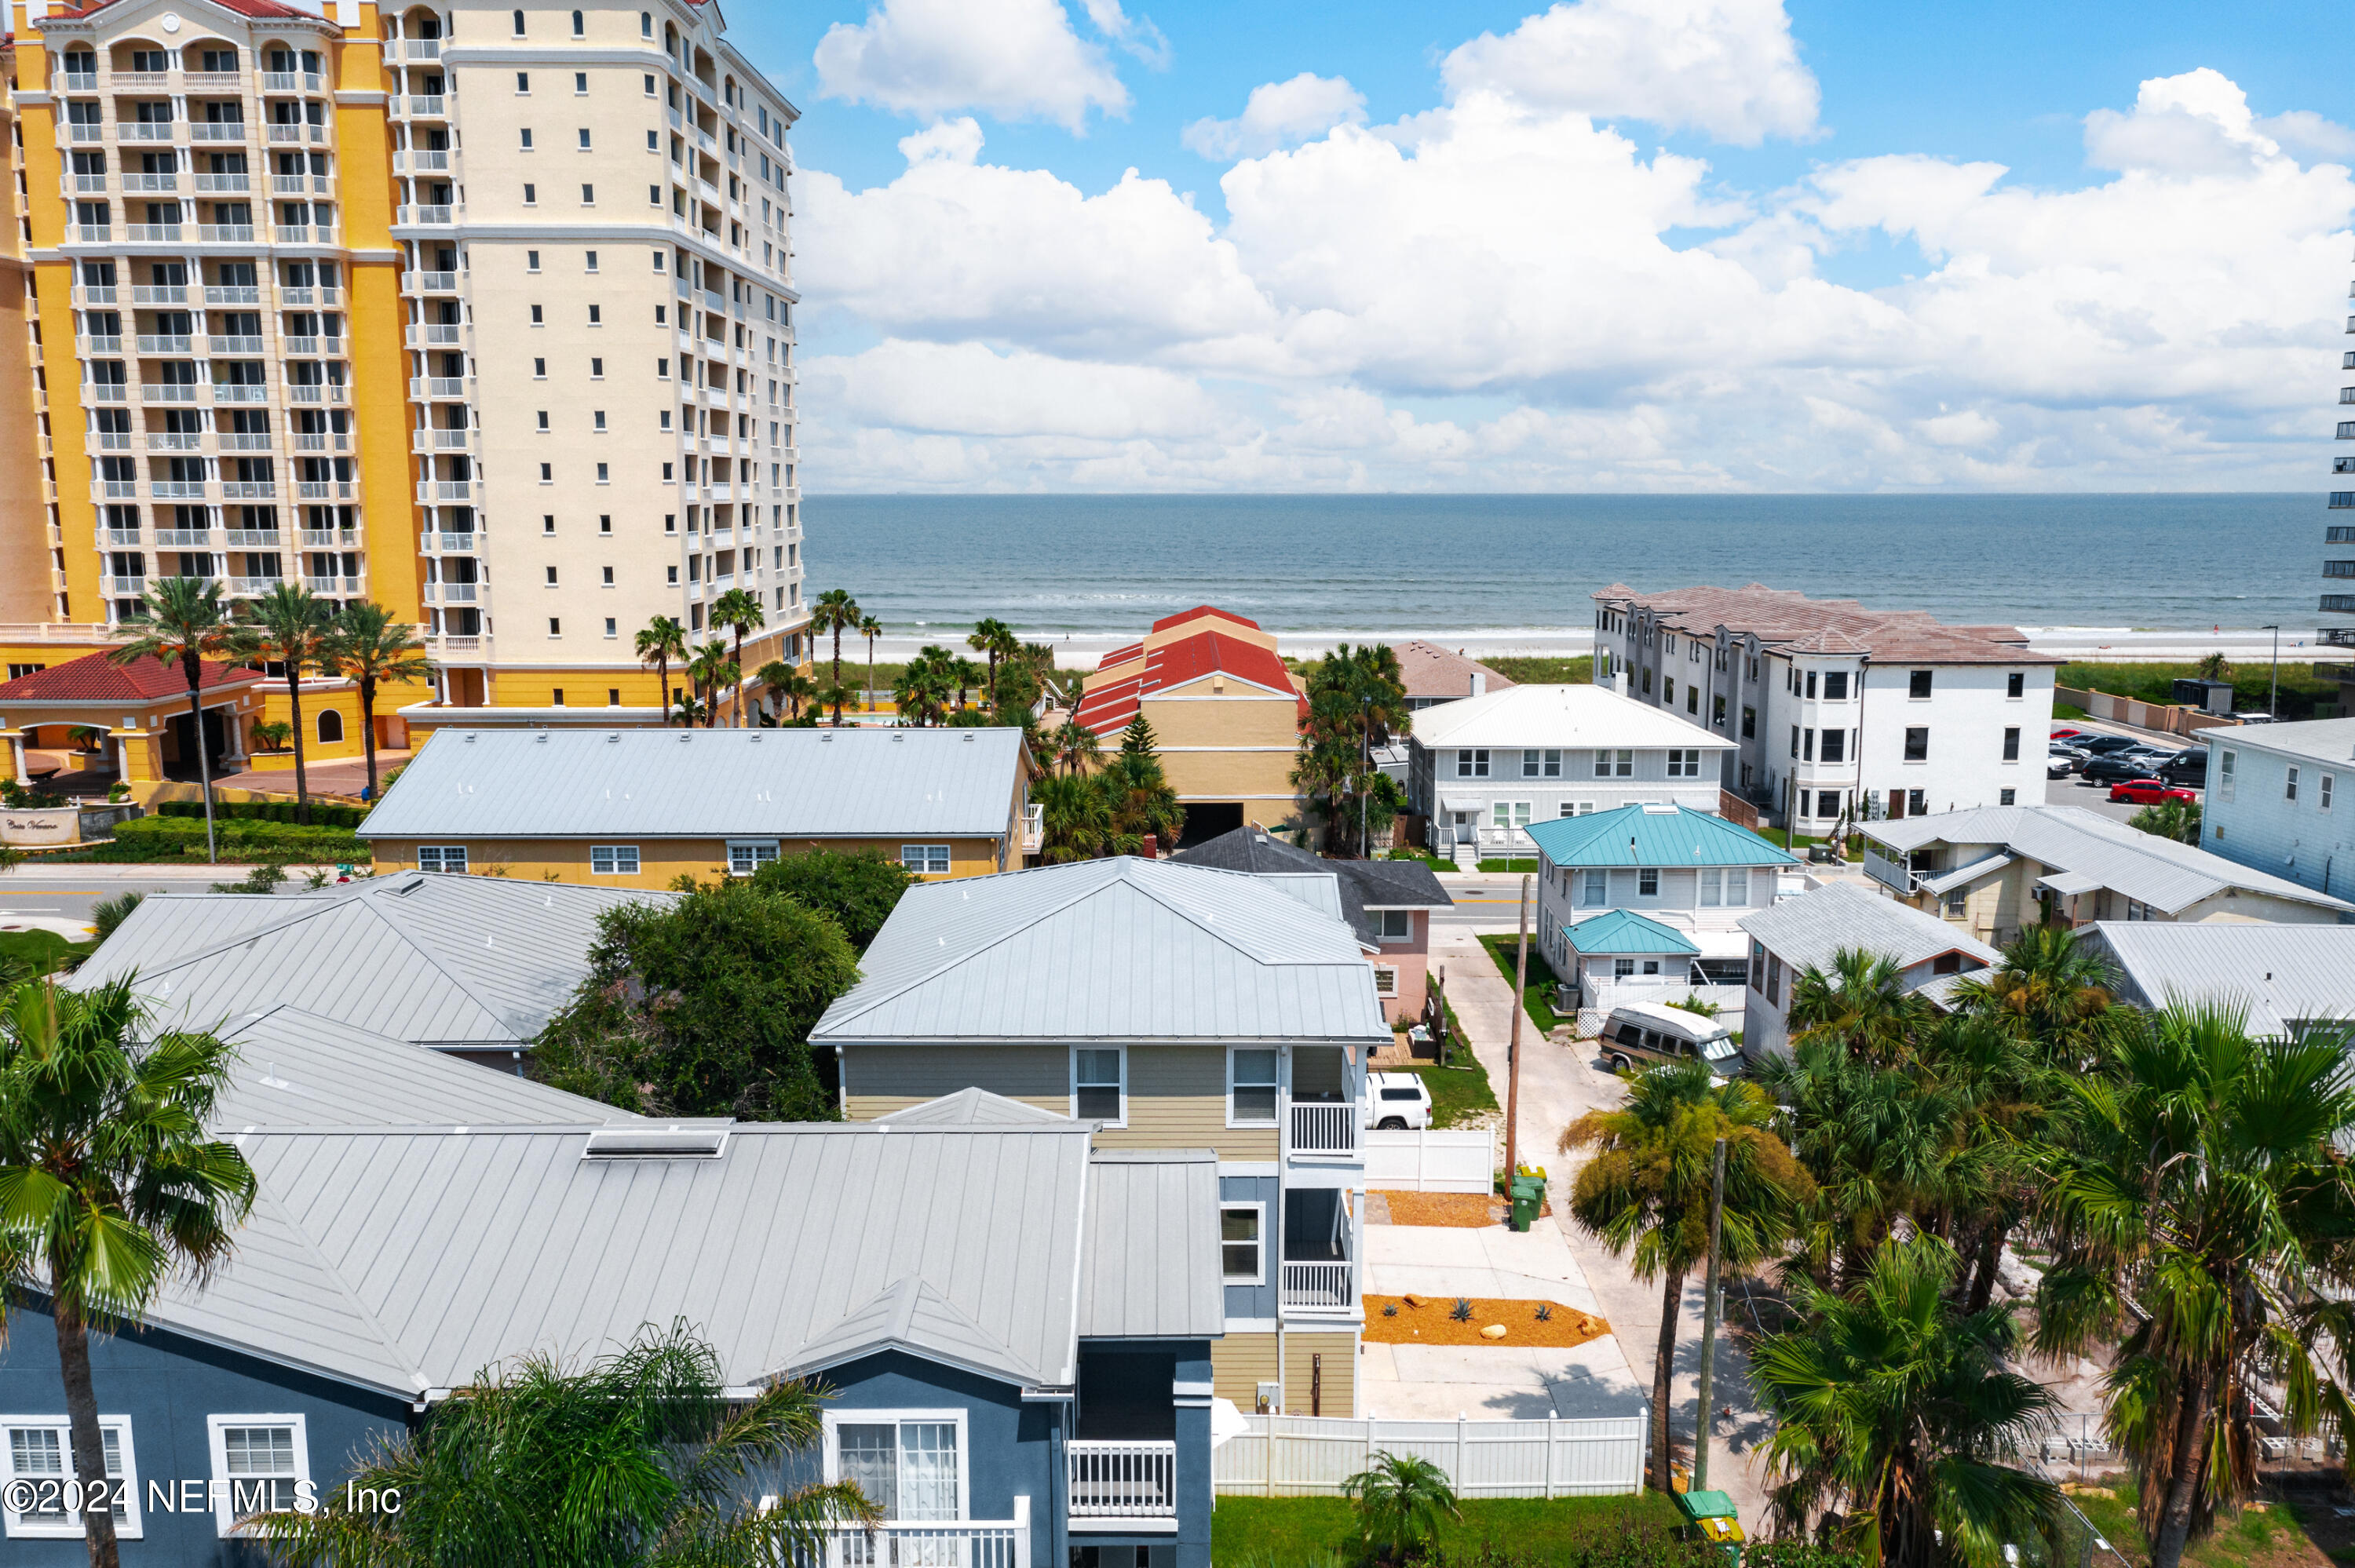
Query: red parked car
(2151, 791)
(2064, 732)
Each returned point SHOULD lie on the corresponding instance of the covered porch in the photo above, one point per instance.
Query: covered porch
(80, 727)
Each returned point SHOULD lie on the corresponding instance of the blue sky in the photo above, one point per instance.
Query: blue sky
(2144, 296)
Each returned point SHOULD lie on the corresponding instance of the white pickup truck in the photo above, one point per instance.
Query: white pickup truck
(1397, 1102)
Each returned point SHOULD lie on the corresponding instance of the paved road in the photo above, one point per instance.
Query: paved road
(1558, 1084)
(67, 891)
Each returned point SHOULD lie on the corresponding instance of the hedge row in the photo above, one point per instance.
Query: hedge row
(177, 833)
(322, 815)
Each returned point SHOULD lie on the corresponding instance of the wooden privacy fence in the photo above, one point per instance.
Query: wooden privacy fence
(1309, 1456)
(1456, 1160)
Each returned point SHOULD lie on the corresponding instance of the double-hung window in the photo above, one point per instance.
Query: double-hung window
(261, 1463)
(36, 1478)
(1712, 886)
(1597, 892)
(2289, 786)
(1737, 886)
(1472, 764)
(1614, 764)
(1684, 762)
(1097, 1091)
(441, 857)
(1917, 744)
(1647, 881)
(925, 860)
(746, 856)
(1508, 813)
(2322, 801)
(613, 860)
(2225, 769)
(1546, 764)
(1239, 1254)
(909, 1464)
(1250, 1088)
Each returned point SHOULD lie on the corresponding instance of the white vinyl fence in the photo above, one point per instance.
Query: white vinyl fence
(1425, 1161)
(1309, 1456)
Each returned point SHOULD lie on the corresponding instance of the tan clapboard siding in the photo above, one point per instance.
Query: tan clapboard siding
(1178, 1099)
(880, 1079)
(1241, 1362)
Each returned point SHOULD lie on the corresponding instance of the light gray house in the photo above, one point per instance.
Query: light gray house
(1175, 1006)
(1809, 932)
(2286, 976)
(2276, 801)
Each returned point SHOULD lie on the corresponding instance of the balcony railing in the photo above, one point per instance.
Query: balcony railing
(237, 343)
(1122, 1480)
(145, 130)
(152, 233)
(249, 490)
(165, 343)
(329, 539)
(133, 182)
(240, 440)
(961, 1543)
(232, 295)
(1324, 1129)
(1327, 1287)
(168, 392)
(254, 538)
(216, 131)
(183, 538)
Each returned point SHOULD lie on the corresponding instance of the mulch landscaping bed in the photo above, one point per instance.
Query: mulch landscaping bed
(1428, 1320)
(1464, 1210)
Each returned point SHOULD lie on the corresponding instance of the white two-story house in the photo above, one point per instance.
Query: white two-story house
(1482, 770)
(1836, 711)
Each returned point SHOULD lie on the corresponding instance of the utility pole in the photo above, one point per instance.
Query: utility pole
(1513, 1051)
(1365, 768)
(1708, 1298)
(2273, 697)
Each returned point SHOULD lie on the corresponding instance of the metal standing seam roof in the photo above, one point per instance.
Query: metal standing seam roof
(409, 1258)
(2283, 974)
(1564, 716)
(433, 959)
(708, 783)
(1149, 1260)
(2316, 740)
(2145, 868)
(1624, 931)
(1807, 931)
(1121, 950)
(1653, 836)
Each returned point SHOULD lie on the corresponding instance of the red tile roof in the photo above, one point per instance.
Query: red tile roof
(1183, 616)
(1108, 709)
(261, 8)
(97, 678)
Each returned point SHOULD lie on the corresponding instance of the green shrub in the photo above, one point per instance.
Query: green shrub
(322, 814)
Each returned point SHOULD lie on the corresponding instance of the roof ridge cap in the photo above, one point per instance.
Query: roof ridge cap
(393, 1348)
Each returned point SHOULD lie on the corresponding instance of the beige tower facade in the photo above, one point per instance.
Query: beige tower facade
(482, 313)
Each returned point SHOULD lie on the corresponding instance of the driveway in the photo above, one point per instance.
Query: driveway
(1558, 1083)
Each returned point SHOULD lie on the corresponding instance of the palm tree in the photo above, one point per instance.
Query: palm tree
(1356, 696)
(993, 639)
(687, 708)
(368, 648)
(737, 611)
(2215, 667)
(2176, 819)
(2052, 991)
(837, 612)
(1646, 1193)
(1075, 823)
(639, 1459)
(966, 674)
(922, 692)
(1140, 798)
(108, 1182)
(1077, 750)
(834, 697)
(787, 683)
(184, 622)
(1895, 1411)
(2201, 1204)
(289, 626)
(870, 628)
(662, 640)
(712, 671)
(1862, 1002)
(1400, 1500)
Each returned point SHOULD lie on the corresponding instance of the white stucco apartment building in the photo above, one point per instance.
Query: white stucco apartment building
(1832, 708)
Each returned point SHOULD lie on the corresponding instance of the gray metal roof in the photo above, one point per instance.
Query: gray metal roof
(449, 962)
(1362, 885)
(706, 783)
(1807, 931)
(408, 1259)
(971, 1108)
(2283, 974)
(1108, 950)
(297, 1069)
(1150, 1263)
(2143, 866)
(2318, 740)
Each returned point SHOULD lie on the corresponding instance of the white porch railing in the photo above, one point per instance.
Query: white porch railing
(1320, 1287)
(1123, 1480)
(1306, 1455)
(959, 1543)
(1324, 1129)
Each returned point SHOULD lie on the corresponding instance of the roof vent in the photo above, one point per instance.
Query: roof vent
(679, 1141)
(541, 737)
(611, 736)
(684, 737)
(1660, 809)
(897, 738)
(468, 737)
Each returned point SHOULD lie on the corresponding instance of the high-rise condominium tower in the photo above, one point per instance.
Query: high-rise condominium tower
(2341, 573)
(482, 313)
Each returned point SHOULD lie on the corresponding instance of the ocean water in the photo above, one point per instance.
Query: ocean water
(1109, 564)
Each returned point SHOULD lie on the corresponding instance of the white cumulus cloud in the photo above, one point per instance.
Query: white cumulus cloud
(1729, 68)
(1279, 114)
(1015, 59)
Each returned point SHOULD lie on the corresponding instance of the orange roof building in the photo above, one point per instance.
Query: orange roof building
(1224, 709)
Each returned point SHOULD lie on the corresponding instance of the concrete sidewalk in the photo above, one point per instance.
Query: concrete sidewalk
(1558, 1083)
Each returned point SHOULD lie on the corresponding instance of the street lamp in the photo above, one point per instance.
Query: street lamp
(2273, 697)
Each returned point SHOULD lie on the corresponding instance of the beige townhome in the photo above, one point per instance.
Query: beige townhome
(639, 808)
(1175, 1007)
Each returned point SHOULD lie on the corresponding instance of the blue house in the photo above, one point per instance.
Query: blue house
(1014, 1329)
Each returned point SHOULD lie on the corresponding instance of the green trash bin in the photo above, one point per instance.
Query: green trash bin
(1529, 1197)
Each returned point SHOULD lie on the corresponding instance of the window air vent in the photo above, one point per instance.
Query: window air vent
(677, 1141)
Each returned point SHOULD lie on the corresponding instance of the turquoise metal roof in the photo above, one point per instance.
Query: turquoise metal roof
(1642, 835)
(1624, 931)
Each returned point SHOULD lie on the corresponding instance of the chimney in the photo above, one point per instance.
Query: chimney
(1151, 848)
(1479, 684)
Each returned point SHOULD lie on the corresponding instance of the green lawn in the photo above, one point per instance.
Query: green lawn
(2301, 689)
(1538, 995)
(1504, 865)
(1458, 1092)
(1575, 672)
(2252, 1538)
(42, 951)
(1298, 1532)
(1432, 860)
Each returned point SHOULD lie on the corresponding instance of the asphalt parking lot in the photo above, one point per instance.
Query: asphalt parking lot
(2074, 791)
